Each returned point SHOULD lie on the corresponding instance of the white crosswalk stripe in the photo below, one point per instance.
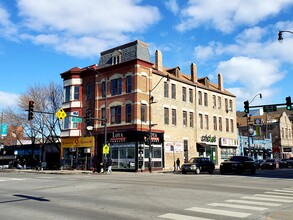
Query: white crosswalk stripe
(237, 206)
(280, 193)
(219, 212)
(181, 217)
(275, 196)
(253, 202)
(9, 179)
(267, 199)
(282, 190)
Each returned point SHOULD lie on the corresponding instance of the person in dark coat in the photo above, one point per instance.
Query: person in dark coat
(178, 164)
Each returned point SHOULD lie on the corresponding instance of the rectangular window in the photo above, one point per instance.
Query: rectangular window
(199, 98)
(227, 125)
(220, 124)
(116, 86)
(76, 93)
(184, 94)
(174, 117)
(214, 101)
(143, 112)
(67, 94)
(166, 116)
(128, 84)
(230, 106)
(166, 89)
(206, 117)
(103, 115)
(66, 122)
(184, 119)
(200, 121)
(215, 123)
(219, 102)
(104, 89)
(89, 91)
(173, 91)
(74, 124)
(205, 99)
(226, 105)
(128, 113)
(232, 125)
(115, 114)
(191, 123)
(190, 95)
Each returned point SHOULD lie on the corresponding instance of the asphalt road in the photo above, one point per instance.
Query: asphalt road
(266, 195)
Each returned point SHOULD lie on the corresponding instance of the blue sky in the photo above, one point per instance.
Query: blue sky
(41, 39)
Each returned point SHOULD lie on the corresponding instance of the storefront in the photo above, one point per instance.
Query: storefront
(76, 153)
(208, 147)
(286, 151)
(228, 147)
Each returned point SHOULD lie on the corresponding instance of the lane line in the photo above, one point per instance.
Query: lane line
(181, 217)
(267, 199)
(219, 212)
(275, 196)
(237, 206)
(253, 202)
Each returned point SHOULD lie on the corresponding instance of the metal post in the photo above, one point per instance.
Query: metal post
(150, 132)
(105, 121)
(248, 136)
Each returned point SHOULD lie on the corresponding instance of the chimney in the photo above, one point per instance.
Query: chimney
(193, 70)
(159, 61)
(220, 82)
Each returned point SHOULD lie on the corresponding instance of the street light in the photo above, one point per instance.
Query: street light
(280, 35)
(151, 101)
(249, 131)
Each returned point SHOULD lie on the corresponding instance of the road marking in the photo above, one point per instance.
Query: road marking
(267, 199)
(253, 202)
(181, 217)
(281, 190)
(219, 212)
(280, 193)
(9, 179)
(237, 206)
(290, 189)
(275, 196)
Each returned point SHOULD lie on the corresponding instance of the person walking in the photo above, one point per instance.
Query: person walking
(109, 165)
(178, 164)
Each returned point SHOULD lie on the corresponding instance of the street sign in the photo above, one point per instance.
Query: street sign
(270, 108)
(106, 149)
(76, 119)
(61, 114)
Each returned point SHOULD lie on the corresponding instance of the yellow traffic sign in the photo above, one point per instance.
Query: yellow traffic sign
(61, 114)
(106, 149)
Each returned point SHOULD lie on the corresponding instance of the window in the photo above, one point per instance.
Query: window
(128, 84)
(166, 116)
(219, 102)
(89, 91)
(143, 112)
(116, 58)
(190, 95)
(115, 114)
(116, 86)
(74, 124)
(205, 99)
(191, 123)
(214, 101)
(104, 89)
(128, 112)
(184, 119)
(206, 117)
(199, 98)
(220, 124)
(226, 104)
(66, 122)
(227, 125)
(174, 117)
(230, 106)
(76, 93)
(286, 133)
(166, 89)
(173, 91)
(67, 94)
(103, 115)
(215, 123)
(184, 94)
(232, 125)
(200, 121)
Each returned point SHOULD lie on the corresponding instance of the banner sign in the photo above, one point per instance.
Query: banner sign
(78, 142)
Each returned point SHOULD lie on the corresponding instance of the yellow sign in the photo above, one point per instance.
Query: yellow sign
(106, 149)
(78, 142)
(61, 114)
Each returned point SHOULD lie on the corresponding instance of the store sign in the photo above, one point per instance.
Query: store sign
(4, 129)
(118, 137)
(77, 142)
(287, 149)
(209, 139)
(229, 142)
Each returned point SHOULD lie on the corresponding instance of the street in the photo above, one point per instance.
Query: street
(266, 195)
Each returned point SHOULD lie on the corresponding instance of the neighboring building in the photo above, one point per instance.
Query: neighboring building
(188, 116)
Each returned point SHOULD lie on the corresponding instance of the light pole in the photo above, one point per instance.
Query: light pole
(151, 101)
(280, 35)
(249, 131)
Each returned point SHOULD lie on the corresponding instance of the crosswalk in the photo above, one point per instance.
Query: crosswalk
(242, 207)
(6, 179)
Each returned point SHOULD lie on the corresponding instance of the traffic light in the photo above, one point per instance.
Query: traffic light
(88, 115)
(246, 107)
(288, 103)
(146, 140)
(31, 110)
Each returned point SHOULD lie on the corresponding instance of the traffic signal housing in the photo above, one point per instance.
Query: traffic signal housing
(146, 140)
(246, 107)
(88, 115)
(31, 110)
(288, 103)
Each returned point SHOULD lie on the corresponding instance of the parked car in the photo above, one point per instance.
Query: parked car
(269, 164)
(290, 162)
(283, 163)
(258, 163)
(198, 165)
(238, 165)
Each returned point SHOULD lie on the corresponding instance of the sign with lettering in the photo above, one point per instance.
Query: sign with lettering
(77, 142)
(209, 138)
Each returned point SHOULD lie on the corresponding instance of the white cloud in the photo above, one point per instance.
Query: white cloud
(8, 99)
(226, 16)
(172, 6)
(7, 28)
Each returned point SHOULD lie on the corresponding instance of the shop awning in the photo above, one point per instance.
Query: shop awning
(201, 147)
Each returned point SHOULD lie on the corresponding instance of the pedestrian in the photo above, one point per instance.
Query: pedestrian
(109, 165)
(178, 164)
